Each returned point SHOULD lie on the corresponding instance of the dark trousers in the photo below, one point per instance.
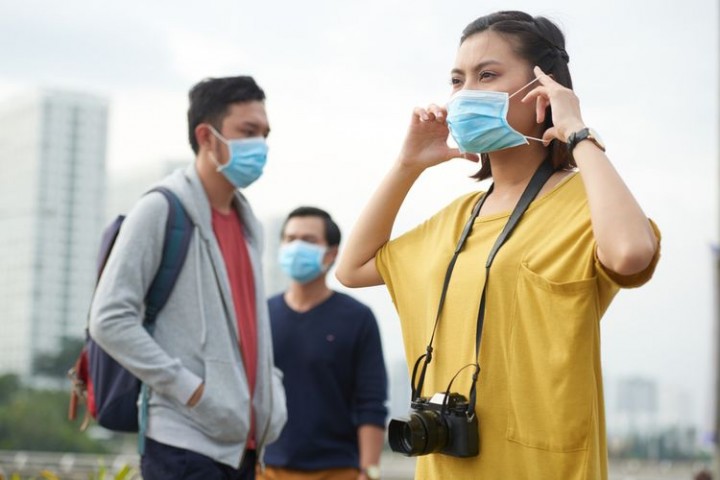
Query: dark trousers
(165, 462)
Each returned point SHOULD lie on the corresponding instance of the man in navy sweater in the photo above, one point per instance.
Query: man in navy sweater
(328, 346)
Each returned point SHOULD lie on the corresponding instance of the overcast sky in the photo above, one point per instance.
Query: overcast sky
(342, 78)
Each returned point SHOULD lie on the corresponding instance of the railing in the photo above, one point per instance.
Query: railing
(81, 466)
(67, 466)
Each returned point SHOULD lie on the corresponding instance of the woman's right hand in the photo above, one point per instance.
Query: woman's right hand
(425, 145)
(426, 140)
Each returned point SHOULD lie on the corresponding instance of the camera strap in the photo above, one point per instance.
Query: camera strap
(541, 175)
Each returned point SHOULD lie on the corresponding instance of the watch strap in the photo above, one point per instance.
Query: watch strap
(577, 137)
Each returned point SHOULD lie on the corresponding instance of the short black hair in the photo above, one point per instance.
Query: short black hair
(332, 231)
(210, 99)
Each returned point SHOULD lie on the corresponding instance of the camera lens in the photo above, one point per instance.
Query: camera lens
(407, 437)
(424, 432)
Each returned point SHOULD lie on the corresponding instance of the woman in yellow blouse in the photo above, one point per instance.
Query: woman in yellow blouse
(539, 401)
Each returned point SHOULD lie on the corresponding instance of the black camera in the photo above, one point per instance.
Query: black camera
(436, 425)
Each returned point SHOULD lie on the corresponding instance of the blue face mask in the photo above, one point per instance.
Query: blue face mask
(247, 159)
(302, 261)
(477, 120)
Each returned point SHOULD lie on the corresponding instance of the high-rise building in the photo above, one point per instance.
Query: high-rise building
(52, 200)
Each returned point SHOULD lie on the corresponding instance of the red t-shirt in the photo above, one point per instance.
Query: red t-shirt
(231, 238)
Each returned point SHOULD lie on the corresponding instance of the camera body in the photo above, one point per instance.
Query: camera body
(434, 428)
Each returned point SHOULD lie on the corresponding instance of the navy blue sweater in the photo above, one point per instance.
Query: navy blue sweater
(335, 381)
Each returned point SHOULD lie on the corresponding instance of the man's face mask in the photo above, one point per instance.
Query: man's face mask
(302, 261)
(247, 158)
(477, 120)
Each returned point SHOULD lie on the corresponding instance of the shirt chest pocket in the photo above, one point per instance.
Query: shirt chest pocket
(553, 351)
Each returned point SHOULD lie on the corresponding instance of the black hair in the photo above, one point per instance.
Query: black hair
(210, 99)
(540, 42)
(332, 231)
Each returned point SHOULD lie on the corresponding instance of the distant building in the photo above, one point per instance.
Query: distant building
(634, 408)
(52, 199)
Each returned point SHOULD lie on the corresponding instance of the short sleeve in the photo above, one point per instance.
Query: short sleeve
(637, 279)
(383, 261)
(407, 262)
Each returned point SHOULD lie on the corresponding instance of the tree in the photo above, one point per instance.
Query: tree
(9, 386)
(57, 364)
(37, 420)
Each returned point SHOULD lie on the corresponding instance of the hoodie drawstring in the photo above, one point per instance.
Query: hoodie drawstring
(198, 284)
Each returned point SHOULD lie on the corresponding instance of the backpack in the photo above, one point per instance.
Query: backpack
(109, 391)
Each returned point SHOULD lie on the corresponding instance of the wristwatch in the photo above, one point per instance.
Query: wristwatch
(584, 134)
(372, 472)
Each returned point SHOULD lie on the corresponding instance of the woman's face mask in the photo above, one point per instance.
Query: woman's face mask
(246, 160)
(477, 120)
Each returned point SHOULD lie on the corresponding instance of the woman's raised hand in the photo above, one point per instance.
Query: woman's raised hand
(565, 105)
(426, 140)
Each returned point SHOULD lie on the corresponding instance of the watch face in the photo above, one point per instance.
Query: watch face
(594, 135)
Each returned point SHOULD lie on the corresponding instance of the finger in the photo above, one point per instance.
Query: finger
(535, 92)
(543, 77)
(456, 153)
(473, 157)
(442, 111)
(541, 104)
(550, 135)
(415, 115)
(437, 111)
(420, 114)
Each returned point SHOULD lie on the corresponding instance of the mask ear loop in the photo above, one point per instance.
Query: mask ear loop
(225, 141)
(212, 154)
(520, 90)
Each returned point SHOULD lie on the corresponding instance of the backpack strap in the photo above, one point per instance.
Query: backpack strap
(106, 245)
(178, 232)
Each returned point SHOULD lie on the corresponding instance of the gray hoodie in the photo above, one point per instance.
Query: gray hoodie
(196, 336)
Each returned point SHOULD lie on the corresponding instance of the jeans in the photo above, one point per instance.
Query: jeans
(165, 462)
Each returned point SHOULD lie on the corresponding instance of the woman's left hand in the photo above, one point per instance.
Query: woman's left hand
(565, 105)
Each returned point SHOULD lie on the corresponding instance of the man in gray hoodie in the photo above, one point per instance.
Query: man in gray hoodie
(216, 397)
